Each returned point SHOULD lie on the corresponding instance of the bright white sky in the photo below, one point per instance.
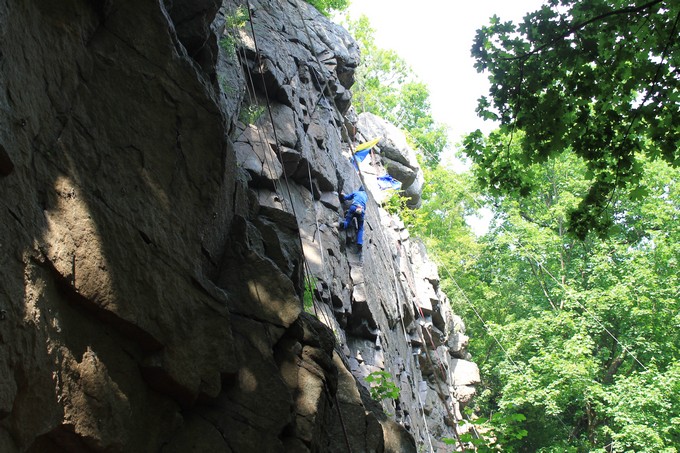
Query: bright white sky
(434, 37)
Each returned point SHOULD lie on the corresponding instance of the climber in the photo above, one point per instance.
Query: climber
(357, 210)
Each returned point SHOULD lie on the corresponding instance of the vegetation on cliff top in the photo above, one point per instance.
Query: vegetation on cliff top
(326, 7)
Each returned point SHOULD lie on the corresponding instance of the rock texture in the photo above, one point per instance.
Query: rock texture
(396, 157)
(155, 241)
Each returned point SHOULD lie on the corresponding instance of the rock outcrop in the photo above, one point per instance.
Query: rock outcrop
(397, 158)
(157, 241)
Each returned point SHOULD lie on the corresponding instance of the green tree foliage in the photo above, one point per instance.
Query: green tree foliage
(382, 386)
(233, 22)
(497, 433)
(387, 87)
(326, 7)
(309, 294)
(581, 337)
(447, 199)
(598, 78)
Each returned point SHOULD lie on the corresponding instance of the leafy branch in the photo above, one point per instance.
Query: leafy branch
(233, 22)
(382, 386)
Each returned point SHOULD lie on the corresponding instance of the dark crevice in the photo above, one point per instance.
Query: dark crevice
(16, 217)
(145, 237)
(6, 164)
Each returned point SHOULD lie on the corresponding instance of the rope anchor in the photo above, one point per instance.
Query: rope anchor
(3, 315)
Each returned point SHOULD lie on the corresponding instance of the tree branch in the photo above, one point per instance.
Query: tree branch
(613, 368)
(541, 283)
(577, 27)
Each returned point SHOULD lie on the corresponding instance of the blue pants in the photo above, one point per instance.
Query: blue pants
(351, 212)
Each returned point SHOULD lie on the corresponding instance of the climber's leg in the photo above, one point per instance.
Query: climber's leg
(348, 217)
(360, 229)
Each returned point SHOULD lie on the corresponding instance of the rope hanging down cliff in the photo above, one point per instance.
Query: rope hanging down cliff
(322, 95)
(250, 89)
(309, 170)
(292, 205)
(440, 393)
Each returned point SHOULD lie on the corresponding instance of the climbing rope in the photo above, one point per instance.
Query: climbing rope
(250, 90)
(306, 270)
(361, 177)
(444, 375)
(415, 366)
(441, 393)
(428, 436)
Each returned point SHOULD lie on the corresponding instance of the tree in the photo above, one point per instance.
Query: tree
(325, 7)
(387, 87)
(583, 334)
(447, 199)
(598, 77)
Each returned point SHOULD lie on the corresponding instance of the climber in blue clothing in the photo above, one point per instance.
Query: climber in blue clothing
(358, 209)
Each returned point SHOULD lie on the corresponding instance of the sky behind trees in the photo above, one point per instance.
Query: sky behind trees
(435, 37)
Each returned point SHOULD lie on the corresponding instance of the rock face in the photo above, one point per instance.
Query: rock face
(156, 241)
(397, 158)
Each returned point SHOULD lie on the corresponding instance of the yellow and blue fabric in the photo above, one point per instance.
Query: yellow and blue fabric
(362, 150)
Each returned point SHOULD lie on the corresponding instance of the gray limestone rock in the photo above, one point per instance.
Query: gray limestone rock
(392, 142)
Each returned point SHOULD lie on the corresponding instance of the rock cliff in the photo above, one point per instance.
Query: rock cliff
(168, 194)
